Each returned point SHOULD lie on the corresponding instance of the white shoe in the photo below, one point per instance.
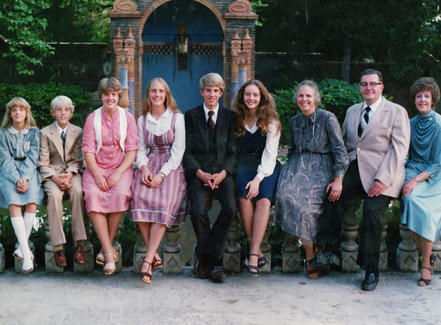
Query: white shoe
(28, 263)
(18, 254)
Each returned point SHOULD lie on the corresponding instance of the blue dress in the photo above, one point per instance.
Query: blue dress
(251, 147)
(422, 208)
(19, 151)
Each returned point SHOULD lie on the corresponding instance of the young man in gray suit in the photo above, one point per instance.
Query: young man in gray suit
(377, 135)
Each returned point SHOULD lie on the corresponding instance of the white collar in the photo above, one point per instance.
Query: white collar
(60, 130)
(14, 131)
(374, 106)
(215, 110)
(167, 113)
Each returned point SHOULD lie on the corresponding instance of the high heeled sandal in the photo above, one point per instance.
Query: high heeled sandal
(432, 260)
(149, 274)
(261, 262)
(109, 268)
(100, 259)
(157, 266)
(252, 270)
(312, 274)
(28, 267)
(425, 281)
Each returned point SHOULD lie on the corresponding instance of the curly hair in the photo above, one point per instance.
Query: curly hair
(266, 112)
(425, 84)
(169, 100)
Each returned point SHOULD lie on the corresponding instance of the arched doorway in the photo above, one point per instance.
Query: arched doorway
(182, 41)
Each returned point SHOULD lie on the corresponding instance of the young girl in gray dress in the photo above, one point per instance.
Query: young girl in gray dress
(19, 179)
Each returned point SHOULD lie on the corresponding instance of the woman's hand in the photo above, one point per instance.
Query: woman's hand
(146, 175)
(409, 187)
(253, 188)
(155, 181)
(336, 187)
(113, 179)
(101, 182)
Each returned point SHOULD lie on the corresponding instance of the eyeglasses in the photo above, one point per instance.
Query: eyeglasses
(371, 84)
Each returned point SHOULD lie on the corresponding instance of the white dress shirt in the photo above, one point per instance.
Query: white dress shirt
(216, 111)
(159, 127)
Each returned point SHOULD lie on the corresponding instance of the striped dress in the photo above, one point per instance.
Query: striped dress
(165, 204)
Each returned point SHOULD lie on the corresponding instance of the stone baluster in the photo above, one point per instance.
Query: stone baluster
(231, 260)
(436, 250)
(139, 251)
(89, 254)
(173, 251)
(49, 260)
(349, 247)
(407, 254)
(384, 254)
(265, 247)
(18, 264)
(2, 251)
(290, 254)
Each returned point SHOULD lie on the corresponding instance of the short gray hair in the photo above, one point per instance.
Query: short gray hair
(313, 85)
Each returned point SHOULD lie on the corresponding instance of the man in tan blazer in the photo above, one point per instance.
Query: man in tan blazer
(60, 165)
(377, 136)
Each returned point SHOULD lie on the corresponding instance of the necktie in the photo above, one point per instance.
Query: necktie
(364, 121)
(210, 122)
(63, 136)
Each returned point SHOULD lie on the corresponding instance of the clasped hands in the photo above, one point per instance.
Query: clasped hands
(337, 186)
(63, 180)
(211, 180)
(22, 185)
(148, 179)
(106, 184)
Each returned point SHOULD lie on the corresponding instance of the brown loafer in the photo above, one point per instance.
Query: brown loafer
(217, 275)
(79, 255)
(60, 258)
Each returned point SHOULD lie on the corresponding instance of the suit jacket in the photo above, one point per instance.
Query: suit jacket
(383, 146)
(197, 142)
(52, 160)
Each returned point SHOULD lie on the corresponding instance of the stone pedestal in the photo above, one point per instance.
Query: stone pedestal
(349, 248)
(2, 252)
(49, 260)
(436, 250)
(89, 254)
(384, 254)
(265, 247)
(291, 257)
(407, 254)
(18, 264)
(139, 251)
(231, 260)
(172, 251)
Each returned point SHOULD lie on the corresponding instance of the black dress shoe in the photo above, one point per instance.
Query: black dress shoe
(371, 279)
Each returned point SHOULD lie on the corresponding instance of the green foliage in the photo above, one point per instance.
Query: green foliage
(20, 24)
(39, 96)
(336, 96)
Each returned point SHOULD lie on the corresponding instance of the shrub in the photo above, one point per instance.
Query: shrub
(39, 96)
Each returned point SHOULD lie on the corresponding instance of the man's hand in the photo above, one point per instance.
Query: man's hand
(204, 177)
(377, 189)
(216, 179)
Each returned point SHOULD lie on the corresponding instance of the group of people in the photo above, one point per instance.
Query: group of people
(229, 155)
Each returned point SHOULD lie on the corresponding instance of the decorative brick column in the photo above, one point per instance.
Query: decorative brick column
(247, 45)
(118, 45)
(349, 247)
(236, 45)
(291, 256)
(130, 44)
(172, 251)
(407, 254)
(242, 62)
(231, 260)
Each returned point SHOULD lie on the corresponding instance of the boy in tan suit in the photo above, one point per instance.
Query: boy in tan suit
(60, 165)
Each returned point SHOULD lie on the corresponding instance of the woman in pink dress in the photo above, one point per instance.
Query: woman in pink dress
(109, 145)
(159, 184)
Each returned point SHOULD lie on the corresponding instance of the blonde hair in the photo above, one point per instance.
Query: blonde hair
(266, 112)
(18, 102)
(169, 100)
(62, 101)
(212, 80)
(110, 84)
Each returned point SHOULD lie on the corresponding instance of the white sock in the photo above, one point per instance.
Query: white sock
(20, 231)
(29, 219)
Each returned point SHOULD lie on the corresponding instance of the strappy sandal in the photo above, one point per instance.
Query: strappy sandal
(261, 262)
(432, 260)
(312, 274)
(425, 281)
(109, 268)
(144, 274)
(157, 263)
(100, 259)
(253, 270)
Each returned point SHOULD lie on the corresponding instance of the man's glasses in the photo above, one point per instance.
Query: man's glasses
(371, 84)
